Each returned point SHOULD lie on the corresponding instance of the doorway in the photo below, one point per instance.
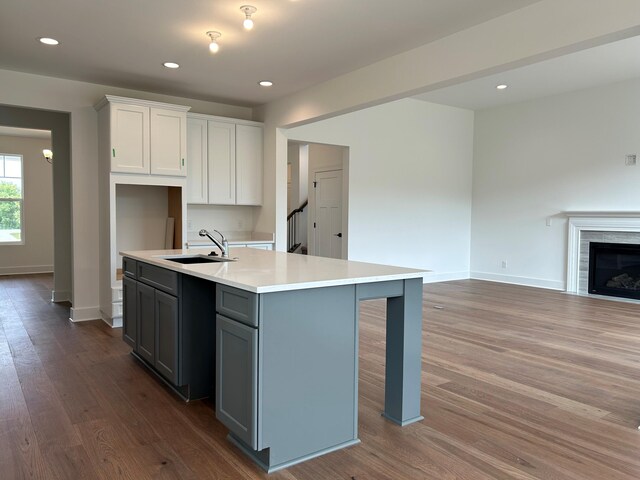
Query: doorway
(318, 196)
(59, 124)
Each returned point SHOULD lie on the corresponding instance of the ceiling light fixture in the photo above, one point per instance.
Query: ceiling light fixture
(502, 86)
(213, 46)
(171, 65)
(48, 41)
(248, 11)
(265, 83)
(48, 155)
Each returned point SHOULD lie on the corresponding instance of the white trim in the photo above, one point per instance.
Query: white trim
(515, 280)
(607, 222)
(84, 314)
(26, 270)
(215, 118)
(435, 277)
(60, 296)
(137, 101)
(113, 322)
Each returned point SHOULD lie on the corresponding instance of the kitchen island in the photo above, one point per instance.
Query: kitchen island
(286, 342)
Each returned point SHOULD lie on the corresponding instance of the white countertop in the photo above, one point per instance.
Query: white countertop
(263, 271)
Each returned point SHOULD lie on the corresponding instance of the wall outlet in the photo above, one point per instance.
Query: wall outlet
(503, 264)
(630, 160)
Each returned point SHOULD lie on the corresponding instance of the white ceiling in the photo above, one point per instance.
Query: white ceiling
(295, 43)
(602, 65)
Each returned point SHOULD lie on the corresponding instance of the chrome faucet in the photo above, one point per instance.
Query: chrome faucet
(223, 245)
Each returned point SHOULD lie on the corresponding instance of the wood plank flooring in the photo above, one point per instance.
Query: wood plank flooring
(518, 383)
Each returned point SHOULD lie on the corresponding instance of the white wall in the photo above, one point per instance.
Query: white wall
(226, 218)
(141, 218)
(36, 254)
(546, 29)
(535, 160)
(293, 183)
(409, 183)
(78, 98)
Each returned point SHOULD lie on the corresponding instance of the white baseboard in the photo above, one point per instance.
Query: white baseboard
(526, 281)
(25, 270)
(113, 322)
(434, 277)
(60, 296)
(84, 314)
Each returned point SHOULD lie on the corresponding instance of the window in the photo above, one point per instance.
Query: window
(11, 223)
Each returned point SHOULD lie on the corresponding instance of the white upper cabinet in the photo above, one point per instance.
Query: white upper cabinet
(222, 163)
(225, 168)
(197, 187)
(249, 165)
(129, 139)
(168, 142)
(144, 137)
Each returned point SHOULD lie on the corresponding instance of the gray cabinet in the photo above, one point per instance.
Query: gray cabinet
(169, 320)
(129, 316)
(145, 314)
(286, 371)
(237, 378)
(237, 362)
(166, 327)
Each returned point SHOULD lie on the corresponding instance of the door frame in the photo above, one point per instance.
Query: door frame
(59, 124)
(311, 238)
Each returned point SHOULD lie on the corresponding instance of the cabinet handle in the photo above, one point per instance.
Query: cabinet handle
(114, 152)
(183, 162)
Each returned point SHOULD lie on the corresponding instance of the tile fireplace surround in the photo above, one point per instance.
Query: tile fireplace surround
(605, 227)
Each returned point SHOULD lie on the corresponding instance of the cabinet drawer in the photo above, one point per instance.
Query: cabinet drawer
(129, 267)
(237, 304)
(160, 278)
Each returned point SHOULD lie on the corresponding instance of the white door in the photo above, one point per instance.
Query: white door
(222, 163)
(168, 142)
(328, 214)
(130, 139)
(248, 165)
(197, 180)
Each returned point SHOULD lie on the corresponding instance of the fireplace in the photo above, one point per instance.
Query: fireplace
(614, 269)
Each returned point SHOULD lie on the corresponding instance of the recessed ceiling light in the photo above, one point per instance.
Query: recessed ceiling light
(48, 41)
(502, 86)
(171, 65)
(265, 83)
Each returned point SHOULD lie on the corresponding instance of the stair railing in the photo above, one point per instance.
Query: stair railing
(292, 228)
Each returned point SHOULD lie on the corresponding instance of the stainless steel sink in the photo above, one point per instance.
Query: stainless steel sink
(191, 259)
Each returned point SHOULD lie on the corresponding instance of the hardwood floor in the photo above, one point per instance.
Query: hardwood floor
(518, 383)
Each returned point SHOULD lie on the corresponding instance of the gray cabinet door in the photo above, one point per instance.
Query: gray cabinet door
(145, 307)
(166, 313)
(237, 379)
(129, 314)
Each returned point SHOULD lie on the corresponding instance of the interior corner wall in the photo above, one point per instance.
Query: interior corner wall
(35, 255)
(410, 165)
(535, 160)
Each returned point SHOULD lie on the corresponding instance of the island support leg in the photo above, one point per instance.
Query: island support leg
(404, 355)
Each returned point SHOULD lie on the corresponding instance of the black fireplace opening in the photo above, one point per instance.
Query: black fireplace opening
(614, 269)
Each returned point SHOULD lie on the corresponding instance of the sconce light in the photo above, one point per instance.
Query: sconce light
(213, 46)
(248, 11)
(48, 155)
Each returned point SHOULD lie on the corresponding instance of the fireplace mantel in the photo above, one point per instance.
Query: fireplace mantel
(593, 221)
